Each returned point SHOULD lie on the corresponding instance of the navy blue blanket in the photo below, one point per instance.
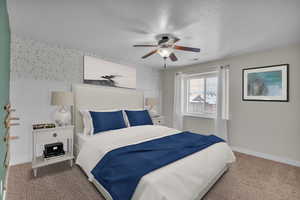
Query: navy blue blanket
(120, 170)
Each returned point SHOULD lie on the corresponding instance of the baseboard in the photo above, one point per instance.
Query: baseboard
(19, 161)
(267, 156)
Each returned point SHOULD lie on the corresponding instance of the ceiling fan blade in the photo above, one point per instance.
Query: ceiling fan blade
(149, 54)
(173, 57)
(186, 48)
(176, 39)
(145, 45)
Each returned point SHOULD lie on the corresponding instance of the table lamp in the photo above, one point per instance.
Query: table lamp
(151, 103)
(64, 100)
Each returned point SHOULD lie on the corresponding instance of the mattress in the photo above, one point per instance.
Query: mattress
(79, 140)
(191, 174)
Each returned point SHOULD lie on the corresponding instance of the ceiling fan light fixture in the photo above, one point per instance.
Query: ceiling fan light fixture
(164, 52)
(166, 47)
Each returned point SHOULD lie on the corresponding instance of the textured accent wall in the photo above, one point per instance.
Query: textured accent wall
(39, 61)
(37, 69)
(35, 60)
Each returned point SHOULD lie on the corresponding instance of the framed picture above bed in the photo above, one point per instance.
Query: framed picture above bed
(101, 72)
(268, 83)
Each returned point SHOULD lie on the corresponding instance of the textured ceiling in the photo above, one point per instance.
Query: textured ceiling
(110, 28)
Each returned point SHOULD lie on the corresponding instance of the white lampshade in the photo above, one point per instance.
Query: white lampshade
(151, 101)
(59, 98)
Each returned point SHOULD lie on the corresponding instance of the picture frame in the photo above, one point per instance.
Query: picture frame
(267, 83)
(100, 72)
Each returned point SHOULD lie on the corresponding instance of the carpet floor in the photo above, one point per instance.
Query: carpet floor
(250, 178)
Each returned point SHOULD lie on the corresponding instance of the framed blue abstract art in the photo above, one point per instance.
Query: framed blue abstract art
(268, 83)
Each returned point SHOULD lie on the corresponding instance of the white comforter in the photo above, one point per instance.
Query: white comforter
(181, 180)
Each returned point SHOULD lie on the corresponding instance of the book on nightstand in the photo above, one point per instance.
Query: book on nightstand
(43, 126)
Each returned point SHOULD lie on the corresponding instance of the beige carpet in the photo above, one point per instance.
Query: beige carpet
(250, 178)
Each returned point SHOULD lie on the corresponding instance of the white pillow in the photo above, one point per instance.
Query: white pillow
(87, 122)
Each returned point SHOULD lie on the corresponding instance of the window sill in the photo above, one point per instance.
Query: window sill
(205, 116)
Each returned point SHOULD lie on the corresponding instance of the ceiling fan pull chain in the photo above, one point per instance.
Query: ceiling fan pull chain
(165, 65)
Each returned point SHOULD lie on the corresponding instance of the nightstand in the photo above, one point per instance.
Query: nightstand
(160, 120)
(49, 136)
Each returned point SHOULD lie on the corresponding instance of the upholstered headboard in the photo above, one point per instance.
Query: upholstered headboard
(93, 97)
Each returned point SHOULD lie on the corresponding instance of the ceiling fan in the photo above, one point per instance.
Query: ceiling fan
(166, 46)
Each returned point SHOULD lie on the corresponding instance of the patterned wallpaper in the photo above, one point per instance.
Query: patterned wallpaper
(35, 60)
(39, 61)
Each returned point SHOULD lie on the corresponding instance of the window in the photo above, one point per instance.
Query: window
(201, 95)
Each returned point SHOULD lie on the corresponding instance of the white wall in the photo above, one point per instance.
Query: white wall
(270, 128)
(37, 69)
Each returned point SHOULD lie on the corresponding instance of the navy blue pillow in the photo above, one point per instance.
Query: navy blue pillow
(139, 117)
(105, 121)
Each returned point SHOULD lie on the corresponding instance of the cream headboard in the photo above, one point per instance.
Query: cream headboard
(93, 97)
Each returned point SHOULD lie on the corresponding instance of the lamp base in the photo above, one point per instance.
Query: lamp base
(153, 113)
(62, 117)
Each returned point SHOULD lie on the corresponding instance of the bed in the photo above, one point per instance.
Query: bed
(188, 178)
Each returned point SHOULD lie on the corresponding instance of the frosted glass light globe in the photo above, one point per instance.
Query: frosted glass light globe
(164, 52)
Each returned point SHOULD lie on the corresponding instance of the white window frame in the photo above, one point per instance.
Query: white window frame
(186, 94)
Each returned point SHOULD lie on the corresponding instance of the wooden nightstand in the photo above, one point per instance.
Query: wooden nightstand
(160, 120)
(48, 136)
